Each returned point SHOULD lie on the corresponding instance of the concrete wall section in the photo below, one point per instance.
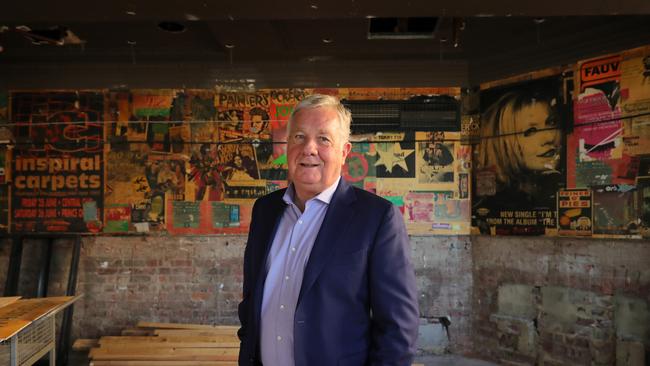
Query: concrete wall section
(443, 269)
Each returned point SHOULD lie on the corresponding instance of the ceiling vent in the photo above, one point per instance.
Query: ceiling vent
(403, 28)
(426, 113)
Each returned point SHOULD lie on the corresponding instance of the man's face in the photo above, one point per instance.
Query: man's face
(315, 151)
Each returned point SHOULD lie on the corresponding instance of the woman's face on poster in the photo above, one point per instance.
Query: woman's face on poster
(539, 137)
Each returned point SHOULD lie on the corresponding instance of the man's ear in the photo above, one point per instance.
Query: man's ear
(347, 147)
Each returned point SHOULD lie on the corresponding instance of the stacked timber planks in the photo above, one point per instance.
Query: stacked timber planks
(165, 344)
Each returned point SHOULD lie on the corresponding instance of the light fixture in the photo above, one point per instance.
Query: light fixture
(130, 12)
(458, 27)
(229, 46)
(328, 40)
(314, 6)
(318, 58)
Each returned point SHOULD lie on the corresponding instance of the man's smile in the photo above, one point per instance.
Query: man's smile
(309, 165)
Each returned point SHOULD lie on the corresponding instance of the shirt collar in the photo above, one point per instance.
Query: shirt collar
(325, 196)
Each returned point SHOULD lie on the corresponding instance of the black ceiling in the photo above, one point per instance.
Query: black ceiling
(210, 10)
(494, 39)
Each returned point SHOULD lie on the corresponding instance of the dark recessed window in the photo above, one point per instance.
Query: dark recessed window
(402, 28)
(171, 27)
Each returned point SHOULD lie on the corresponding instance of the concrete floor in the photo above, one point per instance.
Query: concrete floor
(81, 359)
(451, 360)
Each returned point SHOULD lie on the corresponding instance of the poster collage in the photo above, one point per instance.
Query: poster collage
(566, 153)
(558, 152)
(194, 161)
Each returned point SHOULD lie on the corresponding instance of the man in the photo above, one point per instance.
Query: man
(327, 275)
(259, 123)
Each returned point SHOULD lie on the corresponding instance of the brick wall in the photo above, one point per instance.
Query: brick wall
(198, 280)
(514, 300)
(561, 301)
(160, 279)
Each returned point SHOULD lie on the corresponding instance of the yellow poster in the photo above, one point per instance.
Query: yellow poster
(635, 97)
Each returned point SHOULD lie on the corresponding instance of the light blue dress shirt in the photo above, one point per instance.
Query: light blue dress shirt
(285, 267)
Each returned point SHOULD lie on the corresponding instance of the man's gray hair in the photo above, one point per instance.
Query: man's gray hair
(322, 100)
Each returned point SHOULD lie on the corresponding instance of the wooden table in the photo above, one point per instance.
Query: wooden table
(27, 328)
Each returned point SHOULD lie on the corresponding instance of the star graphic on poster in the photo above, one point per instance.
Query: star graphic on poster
(395, 155)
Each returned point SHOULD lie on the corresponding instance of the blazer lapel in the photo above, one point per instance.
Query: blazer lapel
(330, 236)
(274, 210)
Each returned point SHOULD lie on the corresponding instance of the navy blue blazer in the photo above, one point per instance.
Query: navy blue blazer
(358, 301)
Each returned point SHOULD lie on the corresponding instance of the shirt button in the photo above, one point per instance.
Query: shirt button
(293, 249)
(286, 277)
(279, 338)
(281, 306)
(300, 221)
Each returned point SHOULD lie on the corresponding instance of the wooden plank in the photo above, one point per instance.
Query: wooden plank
(159, 345)
(163, 363)
(4, 301)
(153, 325)
(136, 332)
(183, 354)
(164, 352)
(193, 332)
(152, 339)
(19, 314)
(173, 363)
(84, 344)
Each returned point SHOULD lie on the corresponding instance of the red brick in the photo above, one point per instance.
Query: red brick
(200, 296)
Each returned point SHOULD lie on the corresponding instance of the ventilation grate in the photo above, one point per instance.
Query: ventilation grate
(429, 113)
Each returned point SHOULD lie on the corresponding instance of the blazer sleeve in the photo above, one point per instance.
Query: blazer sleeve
(393, 294)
